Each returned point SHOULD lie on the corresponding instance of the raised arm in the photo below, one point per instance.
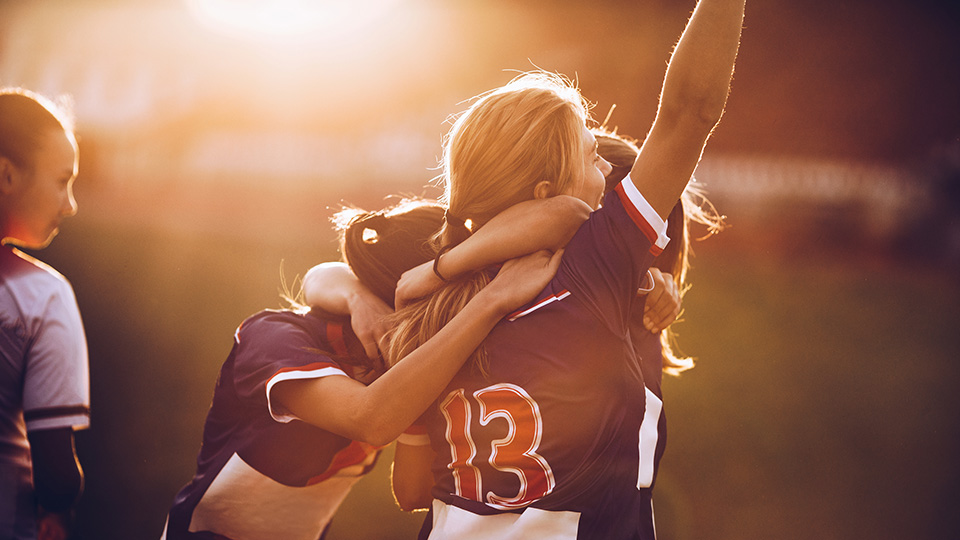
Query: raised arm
(523, 228)
(378, 413)
(694, 94)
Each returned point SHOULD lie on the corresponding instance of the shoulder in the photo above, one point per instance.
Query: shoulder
(35, 286)
(626, 201)
(17, 265)
(310, 321)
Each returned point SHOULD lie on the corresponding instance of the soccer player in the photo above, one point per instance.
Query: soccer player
(550, 430)
(44, 377)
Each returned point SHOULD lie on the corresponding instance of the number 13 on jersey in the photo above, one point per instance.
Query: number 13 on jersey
(516, 453)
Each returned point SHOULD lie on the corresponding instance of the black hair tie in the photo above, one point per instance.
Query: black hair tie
(436, 262)
(453, 220)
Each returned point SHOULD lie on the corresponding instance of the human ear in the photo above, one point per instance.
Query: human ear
(543, 190)
(8, 173)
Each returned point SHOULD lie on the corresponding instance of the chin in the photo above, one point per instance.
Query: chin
(44, 242)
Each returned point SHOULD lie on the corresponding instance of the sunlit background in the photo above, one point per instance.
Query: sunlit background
(218, 136)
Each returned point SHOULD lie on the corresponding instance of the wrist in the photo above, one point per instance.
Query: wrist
(497, 305)
(352, 298)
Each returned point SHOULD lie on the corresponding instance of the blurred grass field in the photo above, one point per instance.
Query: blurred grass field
(823, 404)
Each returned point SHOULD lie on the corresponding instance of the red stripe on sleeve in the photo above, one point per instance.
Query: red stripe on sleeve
(638, 219)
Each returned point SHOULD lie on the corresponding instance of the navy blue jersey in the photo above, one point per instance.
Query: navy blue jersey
(550, 444)
(262, 473)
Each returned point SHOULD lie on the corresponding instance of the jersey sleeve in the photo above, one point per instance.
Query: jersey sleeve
(56, 387)
(607, 259)
(275, 348)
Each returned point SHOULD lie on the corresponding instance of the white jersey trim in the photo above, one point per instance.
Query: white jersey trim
(75, 421)
(638, 207)
(244, 504)
(454, 523)
(296, 375)
(549, 300)
(414, 439)
(648, 438)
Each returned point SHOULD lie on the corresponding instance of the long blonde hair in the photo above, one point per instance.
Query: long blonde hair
(511, 139)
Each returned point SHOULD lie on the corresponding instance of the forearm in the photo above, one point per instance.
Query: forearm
(378, 413)
(694, 93)
(701, 67)
(399, 396)
(410, 477)
(58, 478)
(521, 229)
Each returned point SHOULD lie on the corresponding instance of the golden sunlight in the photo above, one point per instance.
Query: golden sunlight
(287, 19)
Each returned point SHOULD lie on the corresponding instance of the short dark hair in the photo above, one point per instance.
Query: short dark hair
(25, 117)
(380, 246)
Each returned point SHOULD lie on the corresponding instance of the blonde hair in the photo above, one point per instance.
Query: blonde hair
(511, 139)
(693, 206)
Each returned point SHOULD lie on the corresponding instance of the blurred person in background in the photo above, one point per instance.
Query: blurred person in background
(44, 377)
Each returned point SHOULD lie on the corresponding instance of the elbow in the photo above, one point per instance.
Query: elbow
(374, 429)
(570, 208)
(378, 437)
(568, 213)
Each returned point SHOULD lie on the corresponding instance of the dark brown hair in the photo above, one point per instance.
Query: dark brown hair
(25, 118)
(380, 246)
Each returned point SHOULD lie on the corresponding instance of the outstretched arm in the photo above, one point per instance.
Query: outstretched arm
(694, 94)
(523, 228)
(378, 413)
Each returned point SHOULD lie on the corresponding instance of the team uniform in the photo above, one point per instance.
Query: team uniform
(44, 376)
(261, 472)
(559, 440)
(649, 353)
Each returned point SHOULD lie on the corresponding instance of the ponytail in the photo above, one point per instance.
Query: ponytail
(505, 144)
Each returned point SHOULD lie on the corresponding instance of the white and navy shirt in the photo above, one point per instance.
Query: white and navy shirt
(261, 472)
(559, 441)
(44, 376)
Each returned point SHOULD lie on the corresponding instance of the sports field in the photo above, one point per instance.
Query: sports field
(823, 404)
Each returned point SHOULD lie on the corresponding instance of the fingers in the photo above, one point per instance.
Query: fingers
(662, 305)
(370, 347)
(416, 283)
(520, 280)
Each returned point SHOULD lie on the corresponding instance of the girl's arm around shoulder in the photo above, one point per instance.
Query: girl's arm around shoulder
(378, 413)
(523, 228)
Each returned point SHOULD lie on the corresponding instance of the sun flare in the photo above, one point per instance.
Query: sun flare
(277, 19)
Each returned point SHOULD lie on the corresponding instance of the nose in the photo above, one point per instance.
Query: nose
(69, 207)
(605, 167)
